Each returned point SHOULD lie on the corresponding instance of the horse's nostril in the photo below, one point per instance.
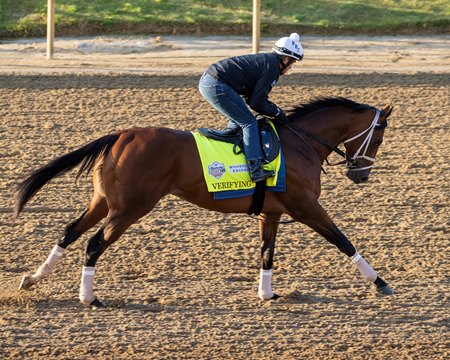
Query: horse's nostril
(365, 179)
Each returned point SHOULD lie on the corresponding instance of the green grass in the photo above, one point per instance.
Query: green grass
(88, 17)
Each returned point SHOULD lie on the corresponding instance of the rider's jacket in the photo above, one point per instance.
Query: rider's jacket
(252, 77)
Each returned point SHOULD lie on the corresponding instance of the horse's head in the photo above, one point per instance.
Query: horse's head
(362, 148)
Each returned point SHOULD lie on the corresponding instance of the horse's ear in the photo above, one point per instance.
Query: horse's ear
(387, 110)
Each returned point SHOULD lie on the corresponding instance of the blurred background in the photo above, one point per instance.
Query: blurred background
(27, 18)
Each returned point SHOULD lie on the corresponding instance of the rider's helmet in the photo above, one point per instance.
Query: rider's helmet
(289, 46)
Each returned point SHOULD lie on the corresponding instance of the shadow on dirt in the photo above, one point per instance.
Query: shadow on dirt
(46, 82)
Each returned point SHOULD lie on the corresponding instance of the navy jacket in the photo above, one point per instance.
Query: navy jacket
(251, 76)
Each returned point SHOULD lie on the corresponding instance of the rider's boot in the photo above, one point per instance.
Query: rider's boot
(256, 170)
(231, 131)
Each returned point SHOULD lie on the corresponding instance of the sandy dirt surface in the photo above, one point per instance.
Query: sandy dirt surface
(185, 55)
(182, 282)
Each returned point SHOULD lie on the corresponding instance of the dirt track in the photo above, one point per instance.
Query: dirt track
(182, 282)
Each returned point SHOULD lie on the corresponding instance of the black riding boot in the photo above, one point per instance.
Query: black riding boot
(256, 170)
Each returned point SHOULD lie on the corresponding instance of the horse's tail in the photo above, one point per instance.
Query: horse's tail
(87, 156)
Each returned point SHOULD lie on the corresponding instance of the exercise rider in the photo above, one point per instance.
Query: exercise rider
(231, 83)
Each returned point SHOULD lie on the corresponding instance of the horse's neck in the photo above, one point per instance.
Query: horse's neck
(331, 126)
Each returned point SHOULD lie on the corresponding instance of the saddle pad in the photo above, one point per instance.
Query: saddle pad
(223, 170)
(279, 187)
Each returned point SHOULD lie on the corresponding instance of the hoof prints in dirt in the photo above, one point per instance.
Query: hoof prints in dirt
(195, 294)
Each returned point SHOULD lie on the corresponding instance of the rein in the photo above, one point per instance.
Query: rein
(322, 142)
(349, 161)
(295, 130)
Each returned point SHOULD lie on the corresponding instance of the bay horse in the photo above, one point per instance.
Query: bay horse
(133, 169)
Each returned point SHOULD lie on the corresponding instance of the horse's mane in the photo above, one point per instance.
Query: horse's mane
(325, 102)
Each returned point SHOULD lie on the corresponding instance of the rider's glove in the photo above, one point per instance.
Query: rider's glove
(280, 116)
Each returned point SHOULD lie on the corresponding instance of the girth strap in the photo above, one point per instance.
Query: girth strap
(258, 199)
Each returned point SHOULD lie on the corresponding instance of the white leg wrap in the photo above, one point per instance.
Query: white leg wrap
(366, 270)
(87, 285)
(265, 285)
(48, 265)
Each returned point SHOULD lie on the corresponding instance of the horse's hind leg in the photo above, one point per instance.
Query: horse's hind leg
(268, 226)
(116, 224)
(96, 211)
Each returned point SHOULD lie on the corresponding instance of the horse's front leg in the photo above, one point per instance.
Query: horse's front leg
(317, 219)
(268, 225)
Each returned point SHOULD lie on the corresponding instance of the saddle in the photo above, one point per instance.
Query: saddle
(270, 144)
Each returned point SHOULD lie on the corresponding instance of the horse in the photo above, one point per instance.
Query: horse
(134, 168)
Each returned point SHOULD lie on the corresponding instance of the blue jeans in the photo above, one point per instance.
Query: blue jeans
(229, 103)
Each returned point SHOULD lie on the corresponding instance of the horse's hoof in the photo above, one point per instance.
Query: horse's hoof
(96, 304)
(267, 297)
(25, 283)
(385, 290)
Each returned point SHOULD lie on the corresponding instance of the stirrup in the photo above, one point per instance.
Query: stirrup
(257, 172)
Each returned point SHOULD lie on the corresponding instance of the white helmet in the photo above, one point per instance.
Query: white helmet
(289, 46)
